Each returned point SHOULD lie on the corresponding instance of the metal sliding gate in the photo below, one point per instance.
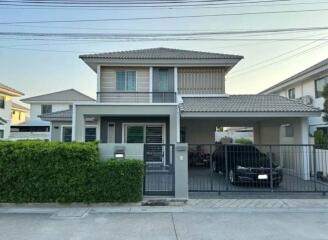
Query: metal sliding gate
(159, 176)
(258, 168)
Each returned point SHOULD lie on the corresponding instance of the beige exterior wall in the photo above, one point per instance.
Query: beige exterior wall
(18, 116)
(108, 83)
(196, 80)
(6, 115)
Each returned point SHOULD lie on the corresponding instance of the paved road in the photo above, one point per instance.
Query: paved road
(179, 225)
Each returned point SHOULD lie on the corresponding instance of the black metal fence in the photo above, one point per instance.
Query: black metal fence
(159, 169)
(257, 168)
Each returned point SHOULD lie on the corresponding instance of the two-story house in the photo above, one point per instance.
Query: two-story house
(163, 95)
(306, 86)
(6, 95)
(160, 96)
(34, 127)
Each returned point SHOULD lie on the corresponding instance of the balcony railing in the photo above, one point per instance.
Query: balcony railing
(137, 97)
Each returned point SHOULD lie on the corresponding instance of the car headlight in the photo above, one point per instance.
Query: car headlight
(242, 168)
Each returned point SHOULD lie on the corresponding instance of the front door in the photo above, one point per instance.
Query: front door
(154, 141)
(111, 133)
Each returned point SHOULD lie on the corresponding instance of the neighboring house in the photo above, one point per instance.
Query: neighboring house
(19, 113)
(6, 95)
(34, 127)
(306, 86)
(235, 133)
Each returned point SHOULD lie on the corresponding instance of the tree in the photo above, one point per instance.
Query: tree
(325, 105)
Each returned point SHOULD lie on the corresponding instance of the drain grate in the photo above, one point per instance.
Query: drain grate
(71, 213)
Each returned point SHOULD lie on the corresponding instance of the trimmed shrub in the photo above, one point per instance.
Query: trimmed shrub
(118, 180)
(35, 171)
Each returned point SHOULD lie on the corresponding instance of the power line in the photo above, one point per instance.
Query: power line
(134, 4)
(258, 65)
(191, 35)
(212, 6)
(167, 17)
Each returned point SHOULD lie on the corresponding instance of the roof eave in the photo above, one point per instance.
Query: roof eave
(11, 93)
(249, 114)
(229, 63)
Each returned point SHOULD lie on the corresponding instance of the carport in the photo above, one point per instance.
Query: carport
(269, 116)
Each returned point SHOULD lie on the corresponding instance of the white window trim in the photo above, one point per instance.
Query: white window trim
(144, 124)
(123, 70)
(62, 132)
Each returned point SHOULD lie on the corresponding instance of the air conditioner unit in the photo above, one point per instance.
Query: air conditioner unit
(307, 100)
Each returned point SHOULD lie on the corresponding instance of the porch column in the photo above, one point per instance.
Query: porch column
(257, 133)
(301, 136)
(77, 124)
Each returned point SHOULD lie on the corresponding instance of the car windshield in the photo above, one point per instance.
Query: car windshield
(248, 156)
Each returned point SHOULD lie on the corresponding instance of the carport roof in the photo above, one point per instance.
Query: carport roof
(245, 104)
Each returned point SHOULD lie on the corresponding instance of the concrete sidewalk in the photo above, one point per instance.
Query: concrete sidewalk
(192, 205)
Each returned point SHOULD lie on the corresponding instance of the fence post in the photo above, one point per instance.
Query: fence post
(271, 175)
(315, 168)
(226, 166)
(211, 167)
(145, 170)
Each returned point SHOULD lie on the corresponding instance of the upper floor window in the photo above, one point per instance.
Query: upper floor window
(320, 86)
(126, 81)
(46, 108)
(163, 80)
(2, 102)
(291, 93)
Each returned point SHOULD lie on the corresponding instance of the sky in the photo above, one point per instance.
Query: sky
(42, 66)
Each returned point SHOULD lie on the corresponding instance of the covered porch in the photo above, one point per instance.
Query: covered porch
(281, 135)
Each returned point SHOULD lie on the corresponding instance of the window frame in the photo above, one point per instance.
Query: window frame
(160, 80)
(2, 133)
(90, 126)
(126, 81)
(316, 85)
(44, 105)
(62, 132)
(2, 102)
(144, 125)
(289, 91)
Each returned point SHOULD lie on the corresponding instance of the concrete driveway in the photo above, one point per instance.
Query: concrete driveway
(175, 225)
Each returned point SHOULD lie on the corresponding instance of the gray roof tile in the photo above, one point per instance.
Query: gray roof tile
(161, 53)
(244, 103)
(65, 115)
(69, 95)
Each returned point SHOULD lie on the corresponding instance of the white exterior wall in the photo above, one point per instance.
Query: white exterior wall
(6, 115)
(303, 89)
(36, 109)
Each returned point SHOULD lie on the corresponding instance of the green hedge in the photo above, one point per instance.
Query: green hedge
(35, 171)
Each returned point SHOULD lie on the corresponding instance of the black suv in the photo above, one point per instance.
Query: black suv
(246, 164)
